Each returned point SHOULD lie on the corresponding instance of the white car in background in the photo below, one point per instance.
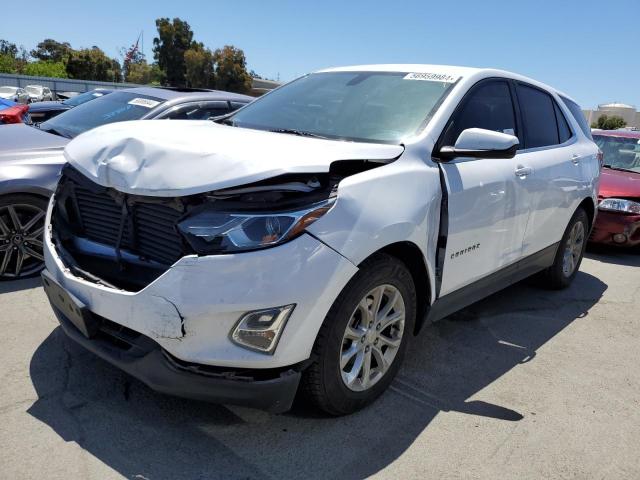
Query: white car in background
(38, 93)
(15, 94)
(302, 240)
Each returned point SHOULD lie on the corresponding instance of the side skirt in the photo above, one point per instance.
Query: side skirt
(465, 296)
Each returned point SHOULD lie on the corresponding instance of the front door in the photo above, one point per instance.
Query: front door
(487, 201)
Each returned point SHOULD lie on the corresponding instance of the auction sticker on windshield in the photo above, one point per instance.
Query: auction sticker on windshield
(430, 77)
(143, 102)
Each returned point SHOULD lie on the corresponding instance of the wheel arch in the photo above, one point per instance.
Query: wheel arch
(413, 258)
(588, 205)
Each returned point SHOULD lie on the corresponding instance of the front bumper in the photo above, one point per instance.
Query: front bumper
(192, 307)
(143, 359)
(610, 224)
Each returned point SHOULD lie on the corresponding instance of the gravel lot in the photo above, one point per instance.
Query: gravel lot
(525, 384)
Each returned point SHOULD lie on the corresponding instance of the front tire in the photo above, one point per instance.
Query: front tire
(570, 253)
(362, 341)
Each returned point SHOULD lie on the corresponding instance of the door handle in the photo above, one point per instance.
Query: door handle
(575, 159)
(523, 172)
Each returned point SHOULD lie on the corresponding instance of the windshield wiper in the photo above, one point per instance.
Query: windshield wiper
(619, 168)
(300, 133)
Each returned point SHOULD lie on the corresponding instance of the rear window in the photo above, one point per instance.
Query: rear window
(538, 117)
(115, 107)
(576, 111)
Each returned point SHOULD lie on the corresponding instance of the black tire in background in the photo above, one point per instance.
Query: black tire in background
(22, 219)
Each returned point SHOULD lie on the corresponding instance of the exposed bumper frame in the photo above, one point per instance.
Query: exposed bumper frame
(154, 368)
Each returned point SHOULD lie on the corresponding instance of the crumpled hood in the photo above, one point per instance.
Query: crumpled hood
(183, 157)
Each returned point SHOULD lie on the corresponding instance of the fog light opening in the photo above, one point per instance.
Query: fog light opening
(260, 330)
(620, 238)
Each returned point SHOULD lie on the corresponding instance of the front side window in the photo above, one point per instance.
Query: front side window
(619, 152)
(115, 107)
(383, 107)
(538, 117)
(202, 111)
(488, 106)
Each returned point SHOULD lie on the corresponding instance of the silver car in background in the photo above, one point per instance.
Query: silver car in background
(31, 158)
(38, 93)
(15, 94)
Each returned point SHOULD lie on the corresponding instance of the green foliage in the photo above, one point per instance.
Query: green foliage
(173, 40)
(609, 123)
(231, 70)
(7, 64)
(199, 67)
(50, 50)
(93, 64)
(8, 48)
(143, 73)
(45, 69)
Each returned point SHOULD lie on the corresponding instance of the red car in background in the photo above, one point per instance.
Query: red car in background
(618, 220)
(12, 112)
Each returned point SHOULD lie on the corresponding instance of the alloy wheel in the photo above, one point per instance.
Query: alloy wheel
(573, 249)
(372, 338)
(21, 230)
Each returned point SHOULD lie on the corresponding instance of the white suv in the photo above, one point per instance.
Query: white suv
(304, 239)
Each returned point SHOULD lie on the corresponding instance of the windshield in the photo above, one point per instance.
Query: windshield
(115, 107)
(360, 106)
(619, 152)
(8, 89)
(35, 90)
(83, 98)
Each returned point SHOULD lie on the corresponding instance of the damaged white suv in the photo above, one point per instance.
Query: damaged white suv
(300, 243)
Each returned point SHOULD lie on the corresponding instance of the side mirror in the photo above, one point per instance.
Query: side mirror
(481, 143)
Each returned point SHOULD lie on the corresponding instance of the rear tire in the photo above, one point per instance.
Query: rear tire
(570, 253)
(362, 341)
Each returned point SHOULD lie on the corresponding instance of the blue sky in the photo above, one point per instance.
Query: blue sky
(586, 48)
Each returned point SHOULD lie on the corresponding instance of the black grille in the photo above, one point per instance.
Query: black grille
(149, 228)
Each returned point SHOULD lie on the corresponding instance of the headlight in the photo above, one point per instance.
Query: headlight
(211, 231)
(619, 205)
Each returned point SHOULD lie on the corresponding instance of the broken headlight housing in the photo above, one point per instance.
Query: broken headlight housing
(211, 231)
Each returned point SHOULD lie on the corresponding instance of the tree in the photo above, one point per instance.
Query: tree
(7, 63)
(8, 48)
(45, 69)
(231, 70)
(605, 122)
(93, 64)
(199, 67)
(50, 50)
(173, 40)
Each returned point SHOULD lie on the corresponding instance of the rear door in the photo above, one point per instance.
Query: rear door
(487, 205)
(556, 184)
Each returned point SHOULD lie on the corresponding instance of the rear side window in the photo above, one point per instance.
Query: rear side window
(564, 131)
(538, 117)
(576, 111)
(489, 106)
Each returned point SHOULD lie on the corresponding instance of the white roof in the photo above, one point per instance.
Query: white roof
(452, 70)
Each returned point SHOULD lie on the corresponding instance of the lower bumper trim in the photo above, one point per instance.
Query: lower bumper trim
(154, 368)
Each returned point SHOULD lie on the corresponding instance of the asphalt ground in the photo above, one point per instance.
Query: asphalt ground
(525, 384)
